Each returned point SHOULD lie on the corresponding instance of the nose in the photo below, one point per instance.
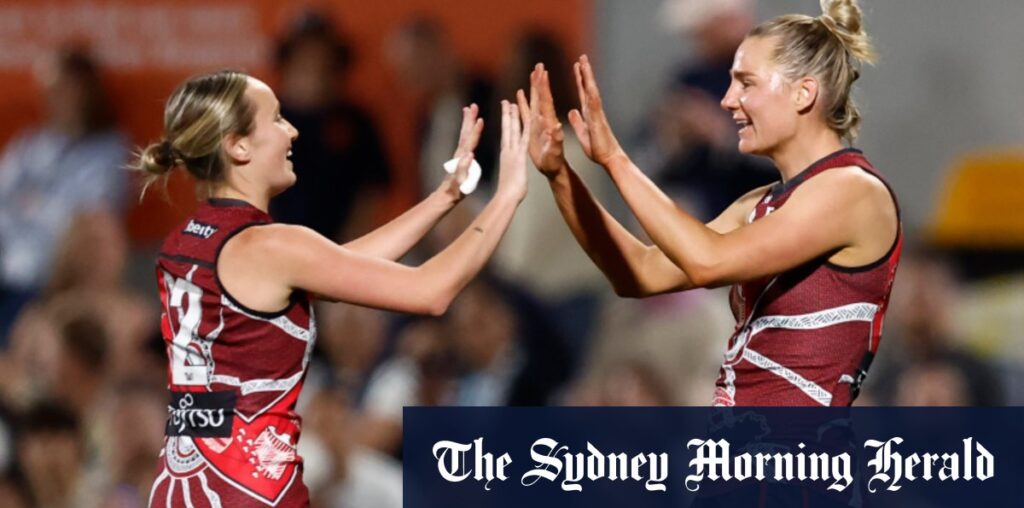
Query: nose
(730, 101)
(293, 132)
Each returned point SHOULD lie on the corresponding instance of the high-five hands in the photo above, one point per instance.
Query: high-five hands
(591, 126)
(515, 129)
(545, 132)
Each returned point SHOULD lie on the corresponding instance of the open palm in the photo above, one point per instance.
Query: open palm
(546, 136)
(591, 125)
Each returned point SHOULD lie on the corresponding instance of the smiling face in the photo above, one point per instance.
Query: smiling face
(268, 147)
(764, 103)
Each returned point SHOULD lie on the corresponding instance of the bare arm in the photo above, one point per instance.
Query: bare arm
(266, 263)
(827, 215)
(633, 268)
(394, 239)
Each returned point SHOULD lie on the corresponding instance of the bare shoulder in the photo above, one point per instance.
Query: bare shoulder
(850, 186)
(859, 207)
(272, 237)
(270, 242)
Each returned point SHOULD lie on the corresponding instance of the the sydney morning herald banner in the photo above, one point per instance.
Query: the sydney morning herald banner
(708, 457)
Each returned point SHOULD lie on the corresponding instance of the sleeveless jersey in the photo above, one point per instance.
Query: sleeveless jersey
(234, 376)
(807, 336)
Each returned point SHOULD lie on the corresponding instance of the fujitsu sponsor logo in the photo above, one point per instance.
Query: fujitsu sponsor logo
(199, 229)
(201, 414)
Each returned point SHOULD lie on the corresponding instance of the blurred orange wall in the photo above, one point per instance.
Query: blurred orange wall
(149, 46)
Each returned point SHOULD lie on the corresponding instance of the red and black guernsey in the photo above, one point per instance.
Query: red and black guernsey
(234, 376)
(806, 337)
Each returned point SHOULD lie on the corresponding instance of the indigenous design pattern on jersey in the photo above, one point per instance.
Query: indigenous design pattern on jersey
(807, 336)
(234, 376)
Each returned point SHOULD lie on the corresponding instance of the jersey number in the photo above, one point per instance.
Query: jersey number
(188, 363)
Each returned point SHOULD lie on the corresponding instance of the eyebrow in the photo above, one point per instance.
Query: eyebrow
(740, 74)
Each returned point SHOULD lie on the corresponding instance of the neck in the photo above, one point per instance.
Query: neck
(803, 150)
(259, 200)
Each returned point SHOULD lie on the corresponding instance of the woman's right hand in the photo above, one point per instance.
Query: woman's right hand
(545, 131)
(512, 161)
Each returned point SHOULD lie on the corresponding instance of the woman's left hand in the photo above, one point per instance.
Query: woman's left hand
(591, 125)
(469, 137)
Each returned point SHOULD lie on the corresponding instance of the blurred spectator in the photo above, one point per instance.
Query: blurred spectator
(83, 386)
(81, 366)
(58, 362)
(538, 251)
(137, 419)
(339, 471)
(88, 272)
(921, 361)
(677, 336)
(428, 69)
(494, 347)
(508, 351)
(50, 173)
(693, 149)
(343, 172)
(628, 383)
(351, 339)
(51, 450)
(421, 372)
(14, 491)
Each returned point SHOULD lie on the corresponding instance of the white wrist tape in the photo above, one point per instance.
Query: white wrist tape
(469, 185)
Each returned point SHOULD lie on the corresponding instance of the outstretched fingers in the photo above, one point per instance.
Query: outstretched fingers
(524, 106)
(504, 125)
(590, 95)
(535, 89)
(579, 125)
(470, 131)
(547, 101)
(515, 127)
(580, 89)
(524, 115)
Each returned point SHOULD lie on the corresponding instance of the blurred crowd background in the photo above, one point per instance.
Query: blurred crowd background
(375, 89)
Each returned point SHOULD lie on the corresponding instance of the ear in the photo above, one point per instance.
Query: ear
(238, 148)
(806, 93)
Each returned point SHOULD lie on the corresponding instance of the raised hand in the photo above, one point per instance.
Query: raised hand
(591, 126)
(545, 132)
(512, 160)
(469, 137)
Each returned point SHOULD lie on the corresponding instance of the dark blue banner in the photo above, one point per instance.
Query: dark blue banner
(708, 457)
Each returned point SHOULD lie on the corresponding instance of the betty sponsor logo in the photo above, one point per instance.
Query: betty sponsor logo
(199, 229)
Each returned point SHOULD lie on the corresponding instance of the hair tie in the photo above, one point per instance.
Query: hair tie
(167, 153)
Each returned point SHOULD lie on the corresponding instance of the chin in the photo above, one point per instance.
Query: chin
(284, 185)
(750, 148)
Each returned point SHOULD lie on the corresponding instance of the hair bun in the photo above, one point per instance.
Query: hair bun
(845, 19)
(157, 159)
(845, 14)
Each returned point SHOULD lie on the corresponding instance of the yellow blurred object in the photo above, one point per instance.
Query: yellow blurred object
(981, 202)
